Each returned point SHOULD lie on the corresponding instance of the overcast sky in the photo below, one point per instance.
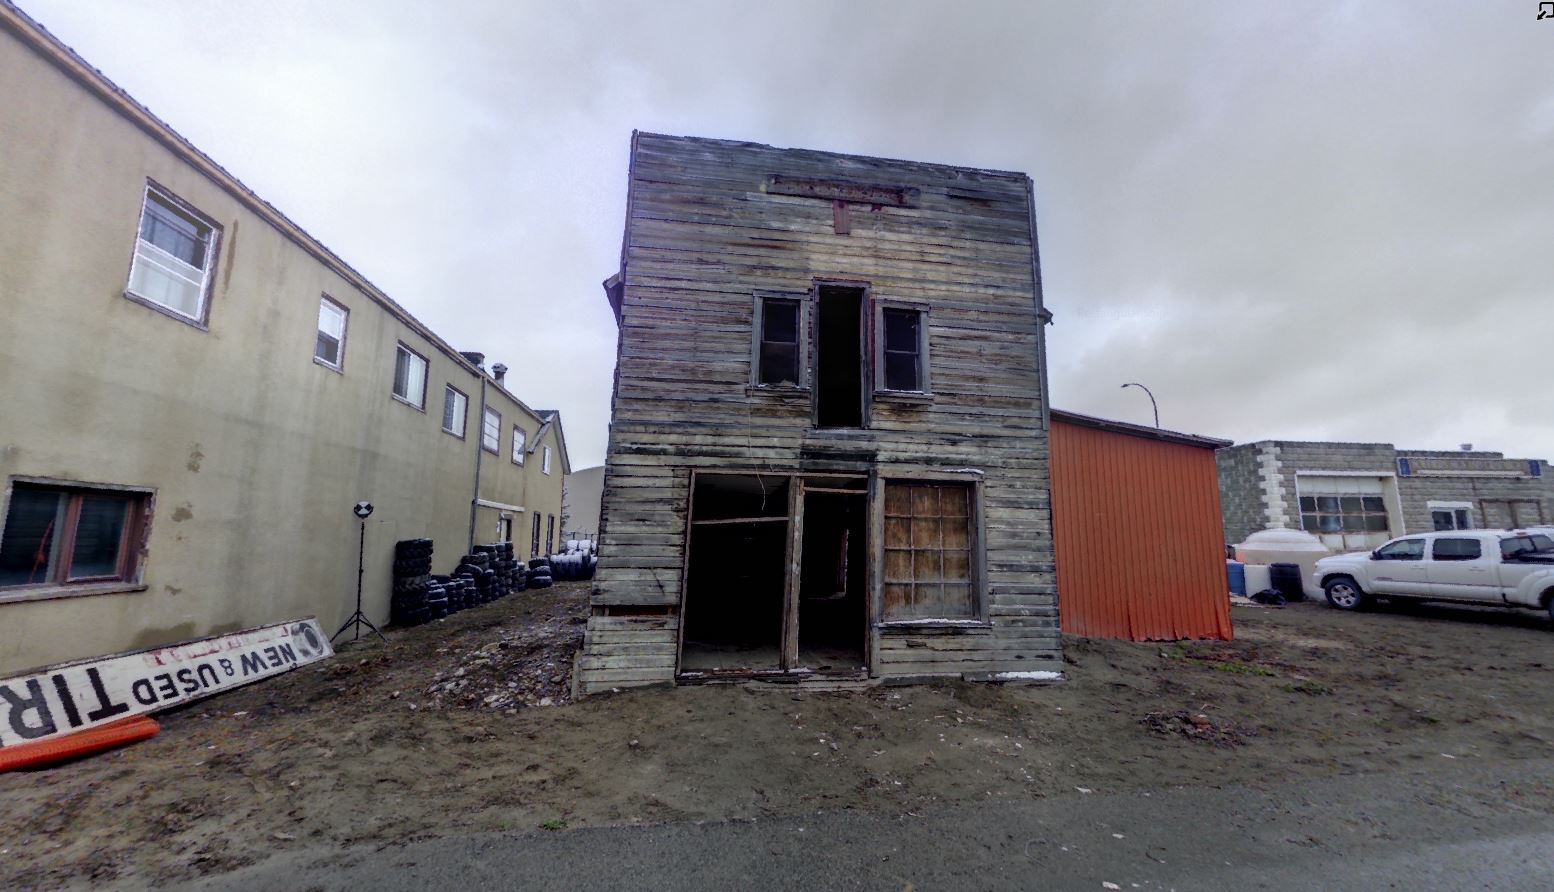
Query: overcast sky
(1290, 220)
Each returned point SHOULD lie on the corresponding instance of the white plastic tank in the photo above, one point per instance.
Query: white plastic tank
(1284, 546)
(1257, 578)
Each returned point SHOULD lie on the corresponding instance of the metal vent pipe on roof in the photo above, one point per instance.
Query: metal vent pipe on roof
(498, 372)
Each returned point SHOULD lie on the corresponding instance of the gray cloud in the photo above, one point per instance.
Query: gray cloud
(1297, 220)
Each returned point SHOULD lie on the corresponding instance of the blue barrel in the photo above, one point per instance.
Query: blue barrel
(1236, 571)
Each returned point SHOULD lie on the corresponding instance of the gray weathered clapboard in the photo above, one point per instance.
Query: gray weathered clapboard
(709, 224)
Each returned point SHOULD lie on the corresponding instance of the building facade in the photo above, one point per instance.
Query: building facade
(828, 447)
(1355, 496)
(585, 490)
(198, 392)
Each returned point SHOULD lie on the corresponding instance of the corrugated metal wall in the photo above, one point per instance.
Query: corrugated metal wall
(1138, 536)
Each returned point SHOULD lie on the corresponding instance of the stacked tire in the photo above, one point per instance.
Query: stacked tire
(509, 577)
(415, 600)
(539, 573)
(573, 565)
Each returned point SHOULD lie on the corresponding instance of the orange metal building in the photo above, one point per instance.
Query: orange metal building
(1137, 531)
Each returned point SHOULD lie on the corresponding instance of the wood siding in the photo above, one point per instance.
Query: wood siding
(1139, 539)
(705, 233)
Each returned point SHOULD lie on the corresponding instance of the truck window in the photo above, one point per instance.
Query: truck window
(1542, 543)
(1402, 550)
(1514, 548)
(1456, 550)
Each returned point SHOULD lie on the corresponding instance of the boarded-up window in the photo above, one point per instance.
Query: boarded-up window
(928, 546)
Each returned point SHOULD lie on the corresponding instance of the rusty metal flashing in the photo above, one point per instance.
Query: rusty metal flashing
(53, 50)
(842, 191)
(1139, 430)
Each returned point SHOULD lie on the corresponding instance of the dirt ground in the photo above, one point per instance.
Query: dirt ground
(465, 725)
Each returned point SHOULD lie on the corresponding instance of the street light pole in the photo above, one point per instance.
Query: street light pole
(1152, 403)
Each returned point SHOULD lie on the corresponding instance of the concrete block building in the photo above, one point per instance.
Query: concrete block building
(198, 391)
(1355, 496)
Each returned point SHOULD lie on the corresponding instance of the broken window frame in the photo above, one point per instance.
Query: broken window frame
(803, 300)
(345, 323)
(130, 552)
(924, 366)
(461, 399)
(148, 253)
(411, 356)
(491, 430)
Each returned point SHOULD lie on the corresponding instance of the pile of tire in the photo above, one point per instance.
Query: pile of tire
(573, 565)
(476, 567)
(509, 578)
(539, 573)
(415, 599)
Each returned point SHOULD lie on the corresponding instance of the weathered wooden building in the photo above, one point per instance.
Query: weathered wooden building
(829, 448)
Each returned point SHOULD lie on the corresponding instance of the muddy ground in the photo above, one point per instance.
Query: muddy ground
(443, 730)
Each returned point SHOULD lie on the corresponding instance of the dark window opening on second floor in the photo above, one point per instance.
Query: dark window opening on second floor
(902, 353)
(779, 347)
(839, 357)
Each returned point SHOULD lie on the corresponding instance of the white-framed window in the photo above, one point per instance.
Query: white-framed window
(329, 349)
(490, 430)
(175, 254)
(410, 377)
(519, 438)
(545, 460)
(455, 409)
(1451, 515)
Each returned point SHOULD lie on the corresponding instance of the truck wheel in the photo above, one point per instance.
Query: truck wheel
(1345, 594)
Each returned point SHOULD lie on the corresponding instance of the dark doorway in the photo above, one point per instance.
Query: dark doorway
(839, 357)
(832, 580)
(736, 576)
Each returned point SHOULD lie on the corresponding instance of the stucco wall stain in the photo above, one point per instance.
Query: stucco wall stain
(195, 457)
(229, 245)
(183, 512)
(173, 590)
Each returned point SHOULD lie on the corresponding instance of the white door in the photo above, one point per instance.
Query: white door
(1398, 568)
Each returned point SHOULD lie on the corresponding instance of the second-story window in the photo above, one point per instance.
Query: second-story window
(518, 441)
(903, 356)
(455, 406)
(778, 344)
(175, 252)
(410, 377)
(545, 460)
(490, 430)
(329, 349)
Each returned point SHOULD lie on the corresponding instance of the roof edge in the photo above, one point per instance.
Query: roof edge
(1139, 430)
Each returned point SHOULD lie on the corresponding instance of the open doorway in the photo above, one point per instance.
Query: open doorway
(839, 357)
(736, 581)
(833, 578)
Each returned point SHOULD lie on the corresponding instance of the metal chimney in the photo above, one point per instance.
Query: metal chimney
(498, 372)
(478, 360)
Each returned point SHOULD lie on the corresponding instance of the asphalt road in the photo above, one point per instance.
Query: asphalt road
(1446, 826)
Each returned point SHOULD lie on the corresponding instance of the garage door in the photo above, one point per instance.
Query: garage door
(1346, 513)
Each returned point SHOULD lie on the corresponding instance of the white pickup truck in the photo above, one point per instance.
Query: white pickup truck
(1504, 568)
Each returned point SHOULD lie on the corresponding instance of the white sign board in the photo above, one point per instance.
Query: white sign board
(66, 698)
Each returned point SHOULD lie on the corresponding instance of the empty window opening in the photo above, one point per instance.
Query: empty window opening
(832, 582)
(735, 574)
(839, 358)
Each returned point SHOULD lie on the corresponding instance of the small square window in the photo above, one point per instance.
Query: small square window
(410, 377)
(175, 252)
(455, 410)
(329, 348)
(490, 430)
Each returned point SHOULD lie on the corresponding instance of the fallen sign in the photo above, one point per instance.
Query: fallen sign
(68, 697)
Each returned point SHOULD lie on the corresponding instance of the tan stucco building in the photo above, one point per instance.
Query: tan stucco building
(197, 393)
